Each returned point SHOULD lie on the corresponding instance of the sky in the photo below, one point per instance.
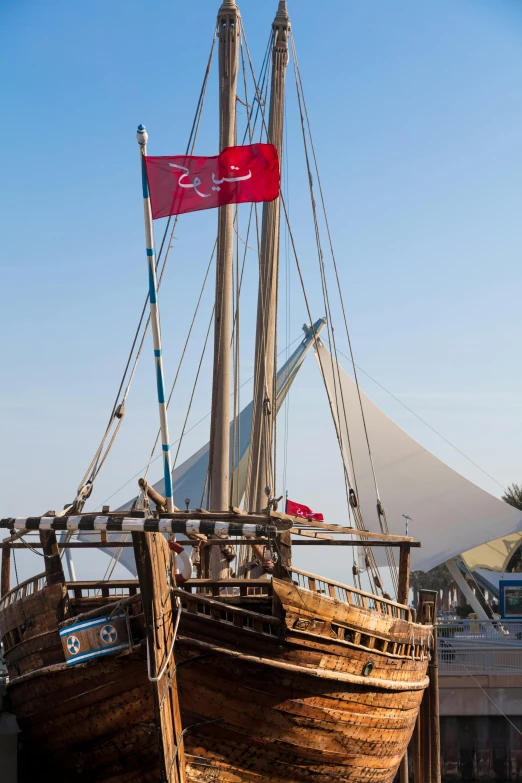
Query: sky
(416, 116)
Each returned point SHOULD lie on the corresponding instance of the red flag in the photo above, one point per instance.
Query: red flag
(298, 510)
(186, 183)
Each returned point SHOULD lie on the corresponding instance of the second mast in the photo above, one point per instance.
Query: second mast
(219, 456)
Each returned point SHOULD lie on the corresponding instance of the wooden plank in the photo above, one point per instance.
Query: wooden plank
(300, 522)
(399, 544)
(316, 605)
(160, 607)
(297, 531)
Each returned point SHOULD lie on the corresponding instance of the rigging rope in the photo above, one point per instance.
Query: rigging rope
(86, 485)
(427, 424)
(307, 134)
(372, 566)
(180, 439)
(173, 443)
(183, 353)
(255, 448)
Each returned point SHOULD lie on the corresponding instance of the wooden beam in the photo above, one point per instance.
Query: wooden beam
(298, 522)
(403, 769)
(429, 711)
(404, 580)
(284, 552)
(72, 545)
(217, 542)
(416, 751)
(161, 610)
(5, 576)
(53, 562)
(400, 544)
(298, 531)
(433, 671)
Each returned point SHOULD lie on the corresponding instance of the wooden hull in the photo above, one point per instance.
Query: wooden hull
(274, 726)
(264, 699)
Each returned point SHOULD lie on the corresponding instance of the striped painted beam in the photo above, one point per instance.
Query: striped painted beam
(113, 524)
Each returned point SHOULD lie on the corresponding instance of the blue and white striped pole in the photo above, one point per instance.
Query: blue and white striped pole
(142, 137)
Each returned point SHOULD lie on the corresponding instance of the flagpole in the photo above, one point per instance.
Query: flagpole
(142, 137)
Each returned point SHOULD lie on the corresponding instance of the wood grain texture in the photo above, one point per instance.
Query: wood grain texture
(5, 573)
(264, 698)
(160, 608)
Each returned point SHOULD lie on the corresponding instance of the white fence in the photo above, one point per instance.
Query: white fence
(480, 647)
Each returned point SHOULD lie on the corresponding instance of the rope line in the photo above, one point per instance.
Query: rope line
(173, 443)
(95, 465)
(189, 333)
(427, 424)
(338, 389)
(493, 702)
(164, 667)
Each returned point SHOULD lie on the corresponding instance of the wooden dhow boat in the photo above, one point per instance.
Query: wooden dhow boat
(294, 678)
(191, 672)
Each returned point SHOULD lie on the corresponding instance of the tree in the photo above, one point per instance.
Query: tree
(513, 496)
(439, 579)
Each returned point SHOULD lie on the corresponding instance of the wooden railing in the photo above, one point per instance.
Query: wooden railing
(198, 604)
(251, 588)
(30, 586)
(349, 595)
(226, 589)
(113, 589)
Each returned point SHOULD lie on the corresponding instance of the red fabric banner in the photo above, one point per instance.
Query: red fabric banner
(298, 510)
(186, 183)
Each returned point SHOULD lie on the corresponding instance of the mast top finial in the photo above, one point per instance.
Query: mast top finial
(228, 4)
(142, 135)
(282, 13)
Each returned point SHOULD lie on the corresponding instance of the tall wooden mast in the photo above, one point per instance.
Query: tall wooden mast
(219, 453)
(265, 362)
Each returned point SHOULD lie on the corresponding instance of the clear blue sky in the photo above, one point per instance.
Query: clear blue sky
(417, 119)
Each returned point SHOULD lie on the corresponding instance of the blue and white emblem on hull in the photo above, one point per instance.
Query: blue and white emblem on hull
(73, 645)
(89, 639)
(108, 634)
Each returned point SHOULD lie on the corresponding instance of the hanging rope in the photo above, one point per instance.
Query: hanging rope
(171, 650)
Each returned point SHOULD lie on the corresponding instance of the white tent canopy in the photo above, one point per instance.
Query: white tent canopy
(450, 514)
(495, 555)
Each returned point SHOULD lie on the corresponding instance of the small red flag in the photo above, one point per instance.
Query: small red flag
(298, 510)
(186, 183)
